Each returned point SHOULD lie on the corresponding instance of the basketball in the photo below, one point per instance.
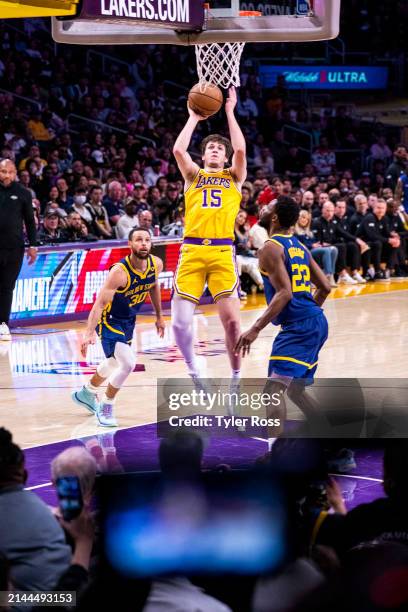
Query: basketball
(205, 101)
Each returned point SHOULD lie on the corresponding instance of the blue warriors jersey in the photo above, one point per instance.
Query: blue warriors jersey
(297, 258)
(127, 301)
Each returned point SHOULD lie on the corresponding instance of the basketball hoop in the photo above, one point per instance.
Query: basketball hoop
(218, 63)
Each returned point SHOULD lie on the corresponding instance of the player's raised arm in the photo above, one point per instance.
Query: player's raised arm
(187, 167)
(156, 299)
(271, 260)
(239, 162)
(116, 279)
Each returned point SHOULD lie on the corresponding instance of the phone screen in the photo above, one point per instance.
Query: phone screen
(222, 523)
(69, 496)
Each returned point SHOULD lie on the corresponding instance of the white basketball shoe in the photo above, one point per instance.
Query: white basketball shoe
(5, 334)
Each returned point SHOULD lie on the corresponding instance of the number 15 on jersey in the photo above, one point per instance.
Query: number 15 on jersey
(212, 198)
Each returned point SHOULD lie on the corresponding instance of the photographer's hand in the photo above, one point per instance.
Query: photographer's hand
(335, 497)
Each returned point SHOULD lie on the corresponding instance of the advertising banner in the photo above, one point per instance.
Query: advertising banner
(325, 77)
(177, 14)
(67, 282)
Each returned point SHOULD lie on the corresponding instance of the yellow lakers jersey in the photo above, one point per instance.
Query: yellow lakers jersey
(211, 205)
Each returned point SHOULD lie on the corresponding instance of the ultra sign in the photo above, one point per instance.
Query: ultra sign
(326, 77)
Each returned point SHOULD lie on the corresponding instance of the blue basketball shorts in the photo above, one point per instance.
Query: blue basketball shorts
(113, 330)
(295, 351)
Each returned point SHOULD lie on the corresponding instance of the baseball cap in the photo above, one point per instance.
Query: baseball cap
(137, 185)
(52, 213)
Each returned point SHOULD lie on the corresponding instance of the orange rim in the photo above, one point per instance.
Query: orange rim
(250, 14)
(207, 7)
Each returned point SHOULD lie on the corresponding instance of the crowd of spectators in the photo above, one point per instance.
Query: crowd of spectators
(334, 557)
(355, 236)
(97, 179)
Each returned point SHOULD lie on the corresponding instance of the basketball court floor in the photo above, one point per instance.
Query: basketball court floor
(38, 370)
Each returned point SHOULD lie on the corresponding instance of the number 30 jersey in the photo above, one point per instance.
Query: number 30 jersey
(128, 300)
(297, 258)
(211, 205)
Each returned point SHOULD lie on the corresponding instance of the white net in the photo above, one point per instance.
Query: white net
(219, 63)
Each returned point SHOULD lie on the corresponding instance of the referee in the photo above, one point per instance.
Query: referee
(16, 208)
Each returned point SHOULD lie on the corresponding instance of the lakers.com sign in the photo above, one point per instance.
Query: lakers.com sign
(325, 77)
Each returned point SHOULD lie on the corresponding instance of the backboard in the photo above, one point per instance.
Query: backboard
(188, 22)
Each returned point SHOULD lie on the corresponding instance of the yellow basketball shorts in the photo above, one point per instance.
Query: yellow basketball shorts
(201, 264)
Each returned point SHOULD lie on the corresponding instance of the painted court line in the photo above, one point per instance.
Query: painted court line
(358, 477)
(40, 486)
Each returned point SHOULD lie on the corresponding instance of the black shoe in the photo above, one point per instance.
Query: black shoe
(383, 275)
(400, 274)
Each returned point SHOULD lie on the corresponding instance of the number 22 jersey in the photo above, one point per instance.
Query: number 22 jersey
(297, 258)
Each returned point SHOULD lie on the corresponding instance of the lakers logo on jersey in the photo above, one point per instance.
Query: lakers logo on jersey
(204, 181)
(212, 203)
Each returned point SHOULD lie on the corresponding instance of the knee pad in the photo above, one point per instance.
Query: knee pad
(126, 360)
(119, 376)
(107, 367)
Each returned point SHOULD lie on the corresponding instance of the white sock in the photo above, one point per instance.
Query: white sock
(107, 400)
(192, 368)
(89, 387)
(271, 442)
(236, 373)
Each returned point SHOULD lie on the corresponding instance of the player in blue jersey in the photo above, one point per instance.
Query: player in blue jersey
(288, 271)
(401, 192)
(113, 317)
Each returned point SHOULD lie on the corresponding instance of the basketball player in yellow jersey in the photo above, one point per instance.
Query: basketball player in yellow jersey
(212, 202)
